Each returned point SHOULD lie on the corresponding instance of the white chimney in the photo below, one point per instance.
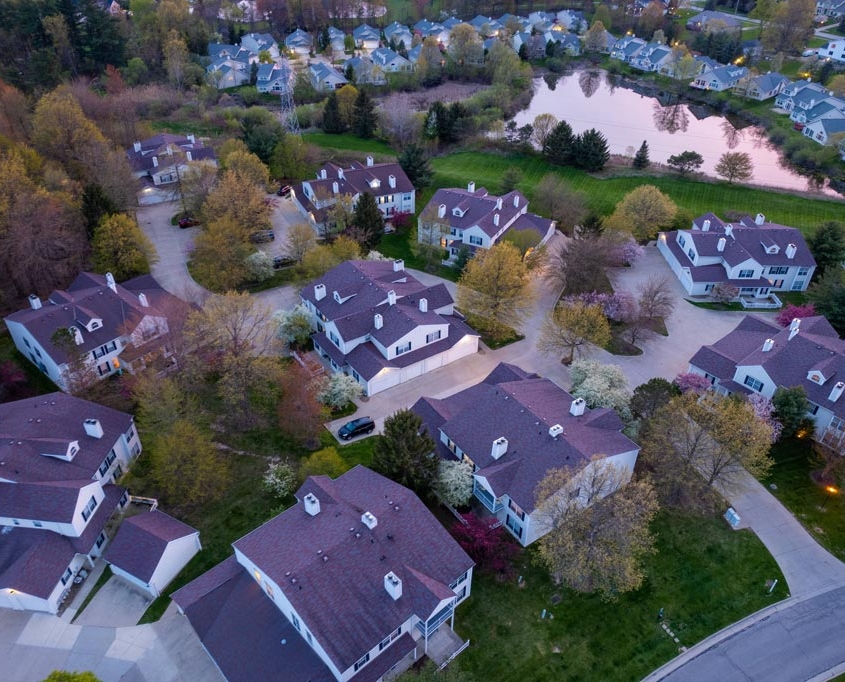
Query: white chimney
(77, 335)
(398, 265)
(323, 174)
(335, 188)
(369, 160)
(319, 291)
(720, 245)
(423, 305)
(188, 155)
(441, 211)
(393, 585)
(392, 181)
(192, 139)
(768, 344)
(34, 302)
(516, 201)
(391, 297)
(791, 250)
(369, 520)
(378, 321)
(137, 146)
(471, 187)
(555, 431)
(340, 173)
(729, 230)
(155, 162)
(496, 219)
(110, 282)
(142, 299)
(794, 328)
(837, 391)
(706, 226)
(499, 204)
(500, 447)
(312, 504)
(93, 428)
(760, 219)
(576, 409)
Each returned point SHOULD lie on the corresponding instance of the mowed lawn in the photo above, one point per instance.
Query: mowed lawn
(705, 577)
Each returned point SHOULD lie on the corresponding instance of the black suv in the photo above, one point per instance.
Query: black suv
(356, 427)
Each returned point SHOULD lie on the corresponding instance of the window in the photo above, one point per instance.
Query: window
(89, 508)
(513, 526)
(105, 368)
(475, 241)
(361, 662)
(802, 272)
(294, 620)
(38, 524)
(26, 341)
(403, 349)
(130, 434)
(104, 467)
(516, 509)
(813, 408)
(746, 274)
(16, 522)
(434, 336)
(100, 540)
(457, 582)
(66, 576)
(308, 637)
(691, 254)
(356, 376)
(798, 285)
(752, 383)
(779, 270)
(383, 644)
(334, 338)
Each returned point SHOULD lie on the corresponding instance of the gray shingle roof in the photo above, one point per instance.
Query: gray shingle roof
(339, 564)
(477, 208)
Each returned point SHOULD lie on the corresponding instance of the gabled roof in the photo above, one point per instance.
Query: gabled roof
(365, 32)
(141, 541)
(359, 178)
(333, 566)
(476, 208)
(160, 148)
(522, 408)
(769, 81)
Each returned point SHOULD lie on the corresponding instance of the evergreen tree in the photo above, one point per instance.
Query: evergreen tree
(641, 160)
(590, 150)
(827, 244)
(405, 452)
(332, 120)
(364, 119)
(559, 146)
(414, 162)
(368, 220)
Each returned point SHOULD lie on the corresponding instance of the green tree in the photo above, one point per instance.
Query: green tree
(560, 145)
(161, 403)
(790, 26)
(510, 179)
(290, 158)
(414, 162)
(599, 528)
(324, 462)
(641, 160)
(405, 453)
(332, 121)
(643, 212)
(219, 258)
(364, 119)
(96, 205)
(65, 676)
(827, 294)
(495, 289)
(368, 220)
(120, 246)
(791, 408)
(827, 244)
(543, 126)
(735, 166)
(686, 162)
(555, 198)
(594, 40)
(570, 327)
(651, 396)
(590, 150)
(248, 167)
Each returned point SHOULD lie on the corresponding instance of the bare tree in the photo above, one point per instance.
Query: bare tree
(299, 239)
(656, 298)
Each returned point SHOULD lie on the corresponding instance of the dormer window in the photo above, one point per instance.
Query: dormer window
(816, 377)
(457, 212)
(374, 183)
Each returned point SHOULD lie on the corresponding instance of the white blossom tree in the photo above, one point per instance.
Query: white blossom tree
(259, 266)
(601, 386)
(454, 482)
(294, 325)
(280, 478)
(339, 390)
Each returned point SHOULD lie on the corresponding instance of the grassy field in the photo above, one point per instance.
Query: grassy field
(705, 576)
(348, 142)
(821, 514)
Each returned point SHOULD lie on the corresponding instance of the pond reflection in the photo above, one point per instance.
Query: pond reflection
(595, 100)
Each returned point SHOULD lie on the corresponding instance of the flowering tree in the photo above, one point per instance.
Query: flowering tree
(294, 325)
(616, 307)
(724, 292)
(601, 386)
(691, 382)
(338, 390)
(280, 478)
(790, 312)
(491, 548)
(764, 409)
(454, 482)
(259, 266)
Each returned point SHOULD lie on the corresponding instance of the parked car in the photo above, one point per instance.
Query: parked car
(280, 262)
(356, 427)
(262, 236)
(188, 222)
(284, 190)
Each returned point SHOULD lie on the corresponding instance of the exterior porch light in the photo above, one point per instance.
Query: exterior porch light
(830, 491)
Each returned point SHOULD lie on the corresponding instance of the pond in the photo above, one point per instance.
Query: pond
(591, 99)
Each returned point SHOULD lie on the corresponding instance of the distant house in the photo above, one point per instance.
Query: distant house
(826, 130)
(390, 62)
(762, 87)
(709, 20)
(822, 108)
(471, 218)
(399, 34)
(300, 42)
(352, 583)
(377, 323)
(720, 79)
(60, 459)
(151, 549)
(325, 78)
(800, 94)
(626, 48)
(515, 428)
(652, 57)
(755, 256)
(759, 357)
(257, 43)
(366, 37)
(571, 20)
(364, 71)
(271, 78)
(387, 182)
(834, 9)
(229, 65)
(163, 158)
(834, 50)
(337, 40)
(116, 327)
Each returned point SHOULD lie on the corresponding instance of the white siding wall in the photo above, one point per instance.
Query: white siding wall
(18, 333)
(757, 372)
(176, 555)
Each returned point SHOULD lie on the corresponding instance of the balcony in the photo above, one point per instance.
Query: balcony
(429, 627)
(486, 498)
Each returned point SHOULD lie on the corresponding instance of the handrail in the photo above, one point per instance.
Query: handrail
(454, 655)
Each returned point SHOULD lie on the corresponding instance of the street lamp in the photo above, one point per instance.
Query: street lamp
(830, 491)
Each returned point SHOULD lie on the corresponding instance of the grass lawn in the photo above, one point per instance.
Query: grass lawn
(36, 382)
(821, 514)
(349, 142)
(705, 576)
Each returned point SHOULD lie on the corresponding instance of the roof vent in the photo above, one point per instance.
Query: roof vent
(369, 160)
(576, 409)
(312, 504)
(500, 447)
(767, 345)
(516, 201)
(441, 211)
(496, 218)
(319, 291)
(110, 282)
(392, 181)
(93, 428)
(393, 585)
(837, 391)
(791, 250)
(398, 265)
(555, 431)
(34, 302)
(369, 520)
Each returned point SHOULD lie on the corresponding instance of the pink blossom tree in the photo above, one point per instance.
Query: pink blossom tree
(490, 547)
(690, 382)
(790, 312)
(764, 409)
